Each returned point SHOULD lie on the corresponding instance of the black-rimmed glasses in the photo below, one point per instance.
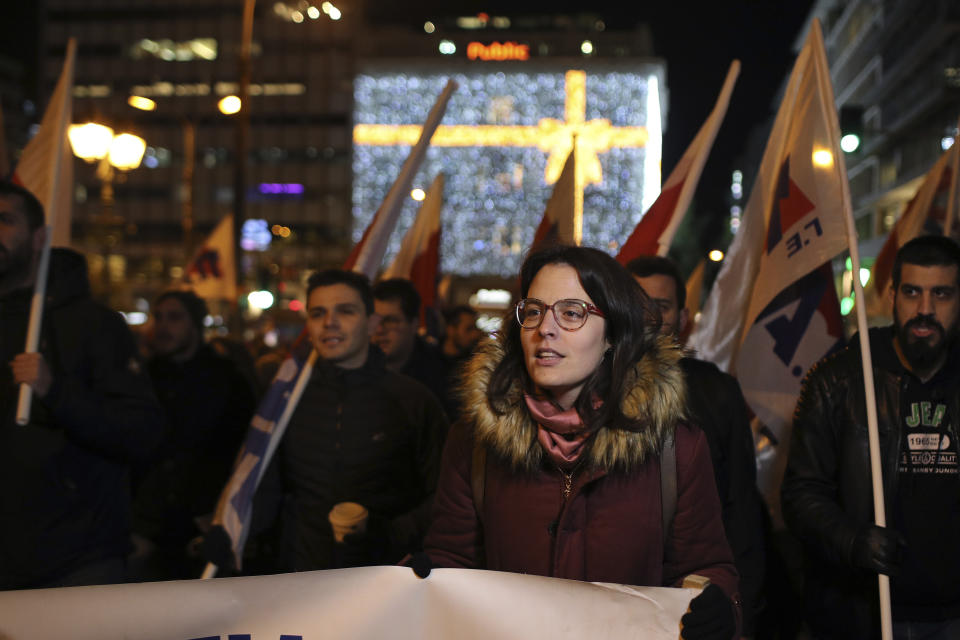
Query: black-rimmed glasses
(570, 314)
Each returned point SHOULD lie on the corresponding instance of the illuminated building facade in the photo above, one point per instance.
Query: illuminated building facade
(308, 185)
(506, 135)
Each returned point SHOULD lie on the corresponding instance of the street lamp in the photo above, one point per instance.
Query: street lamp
(95, 142)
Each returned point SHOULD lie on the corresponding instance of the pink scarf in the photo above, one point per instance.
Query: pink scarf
(560, 433)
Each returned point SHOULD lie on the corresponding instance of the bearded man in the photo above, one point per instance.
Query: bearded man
(827, 495)
(64, 477)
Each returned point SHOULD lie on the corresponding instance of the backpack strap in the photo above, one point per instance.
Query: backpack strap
(478, 477)
(668, 486)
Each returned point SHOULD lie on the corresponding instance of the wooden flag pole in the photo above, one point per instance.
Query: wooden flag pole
(952, 198)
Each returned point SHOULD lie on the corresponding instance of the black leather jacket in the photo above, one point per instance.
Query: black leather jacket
(827, 489)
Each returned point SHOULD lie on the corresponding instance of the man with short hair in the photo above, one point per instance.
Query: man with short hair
(207, 407)
(64, 477)
(827, 490)
(717, 406)
(397, 303)
(360, 433)
(462, 333)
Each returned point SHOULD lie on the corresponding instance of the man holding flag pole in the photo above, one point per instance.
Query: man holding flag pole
(826, 487)
(76, 404)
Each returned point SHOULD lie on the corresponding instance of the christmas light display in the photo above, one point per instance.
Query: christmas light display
(501, 145)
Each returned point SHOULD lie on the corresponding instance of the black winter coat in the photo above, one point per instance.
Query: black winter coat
(207, 407)
(64, 486)
(364, 435)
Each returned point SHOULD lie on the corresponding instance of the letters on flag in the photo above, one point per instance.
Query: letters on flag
(419, 257)
(773, 312)
(558, 223)
(213, 273)
(654, 233)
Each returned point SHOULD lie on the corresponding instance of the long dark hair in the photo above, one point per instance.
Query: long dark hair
(633, 323)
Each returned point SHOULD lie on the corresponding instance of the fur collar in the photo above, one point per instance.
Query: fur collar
(657, 397)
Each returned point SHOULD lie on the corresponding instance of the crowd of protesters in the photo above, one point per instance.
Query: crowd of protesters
(580, 441)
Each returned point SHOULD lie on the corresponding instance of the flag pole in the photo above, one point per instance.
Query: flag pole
(210, 571)
(43, 267)
(879, 508)
(367, 254)
(952, 199)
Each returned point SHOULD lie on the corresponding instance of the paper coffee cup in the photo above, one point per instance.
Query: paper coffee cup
(346, 518)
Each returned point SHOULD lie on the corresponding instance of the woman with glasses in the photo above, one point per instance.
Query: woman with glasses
(555, 465)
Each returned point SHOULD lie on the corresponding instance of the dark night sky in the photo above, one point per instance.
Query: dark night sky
(697, 39)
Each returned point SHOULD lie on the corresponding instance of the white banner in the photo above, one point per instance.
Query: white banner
(348, 604)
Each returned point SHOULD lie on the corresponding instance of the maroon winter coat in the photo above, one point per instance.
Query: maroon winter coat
(610, 528)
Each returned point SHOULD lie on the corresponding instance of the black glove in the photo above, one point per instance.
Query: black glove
(879, 549)
(710, 616)
(420, 562)
(216, 548)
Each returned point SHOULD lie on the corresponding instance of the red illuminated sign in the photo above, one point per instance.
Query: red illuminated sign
(498, 51)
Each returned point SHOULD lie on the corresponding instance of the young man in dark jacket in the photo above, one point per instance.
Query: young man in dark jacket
(207, 405)
(360, 433)
(717, 406)
(64, 486)
(827, 491)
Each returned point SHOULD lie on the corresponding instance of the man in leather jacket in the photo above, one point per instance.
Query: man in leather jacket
(827, 493)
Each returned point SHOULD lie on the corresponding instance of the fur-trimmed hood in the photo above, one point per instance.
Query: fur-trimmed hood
(657, 397)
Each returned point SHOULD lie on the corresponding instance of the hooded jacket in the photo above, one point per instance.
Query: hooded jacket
(609, 529)
(64, 485)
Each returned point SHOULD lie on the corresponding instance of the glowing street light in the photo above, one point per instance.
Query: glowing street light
(850, 142)
(126, 151)
(229, 105)
(716, 255)
(822, 158)
(142, 103)
(90, 141)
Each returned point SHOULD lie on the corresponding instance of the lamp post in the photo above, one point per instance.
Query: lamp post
(94, 142)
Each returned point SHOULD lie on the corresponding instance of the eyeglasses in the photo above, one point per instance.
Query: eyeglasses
(570, 314)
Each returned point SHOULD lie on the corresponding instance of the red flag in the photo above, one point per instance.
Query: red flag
(368, 253)
(925, 213)
(213, 273)
(557, 224)
(419, 256)
(655, 231)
